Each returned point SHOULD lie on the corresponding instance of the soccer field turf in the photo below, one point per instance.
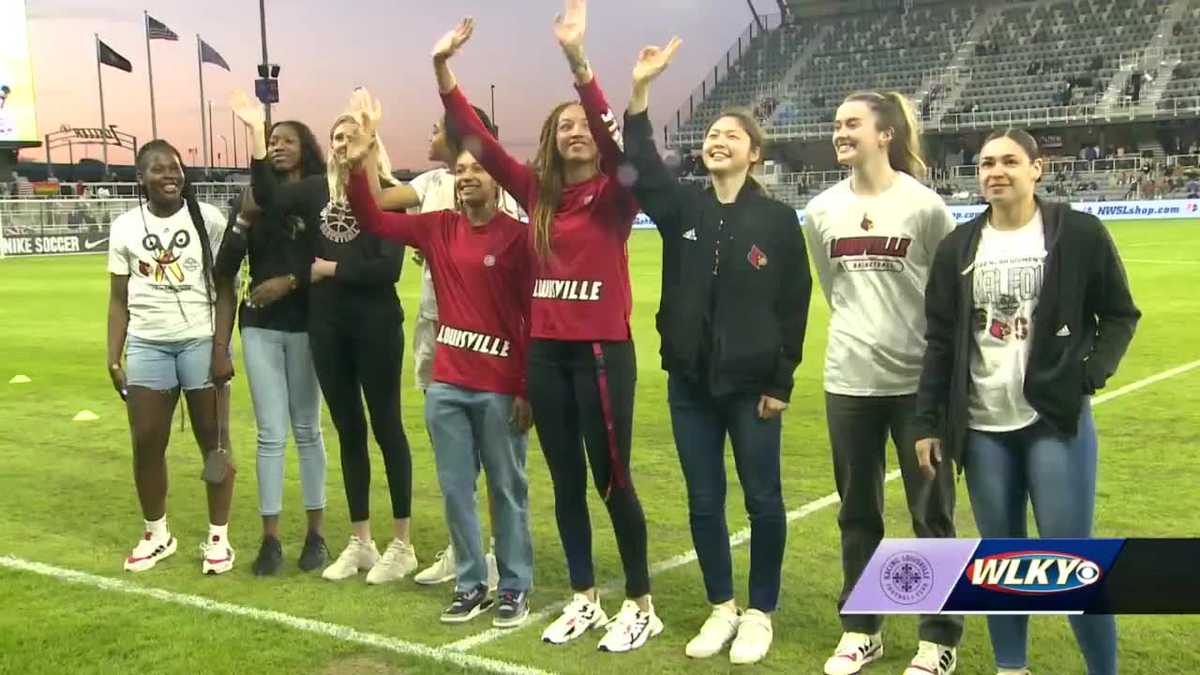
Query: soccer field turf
(67, 496)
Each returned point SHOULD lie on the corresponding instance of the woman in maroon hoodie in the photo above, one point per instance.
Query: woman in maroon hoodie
(582, 368)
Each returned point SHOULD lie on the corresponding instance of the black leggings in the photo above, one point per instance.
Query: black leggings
(571, 414)
(357, 350)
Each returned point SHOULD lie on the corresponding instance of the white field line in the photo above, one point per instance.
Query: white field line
(742, 536)
(1161, 262)
(321, 628)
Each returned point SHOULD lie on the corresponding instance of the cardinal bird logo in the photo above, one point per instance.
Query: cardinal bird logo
(1000, 329)
(756, 257)
(867, 224)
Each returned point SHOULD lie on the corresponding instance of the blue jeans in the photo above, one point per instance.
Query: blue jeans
(700, 424)
(470, 429)
(165, 366)
(283, 387)
(1036, 464)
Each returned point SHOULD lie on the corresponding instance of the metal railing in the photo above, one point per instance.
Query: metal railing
(217, 194)
(47, 217)
(1053, 116)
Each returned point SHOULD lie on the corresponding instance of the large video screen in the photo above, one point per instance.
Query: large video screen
(18, 123)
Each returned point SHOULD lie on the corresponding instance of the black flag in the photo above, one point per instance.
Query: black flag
(109, 57)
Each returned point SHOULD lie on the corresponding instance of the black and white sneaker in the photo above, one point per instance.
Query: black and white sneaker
(630, 629)
(467, 605)
(512, 610)
(270, 558)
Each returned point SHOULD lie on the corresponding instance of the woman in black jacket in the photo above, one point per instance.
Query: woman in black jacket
(273, 318)
(1028, 312)
(735, 294)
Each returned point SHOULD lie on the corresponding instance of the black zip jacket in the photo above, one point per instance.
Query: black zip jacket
(1082, 325)
(277, 246)
(367, 266)
(741, 328)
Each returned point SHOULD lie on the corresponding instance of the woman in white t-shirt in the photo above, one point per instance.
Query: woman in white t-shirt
(1005, 389)
(160, 317)
(872, 238)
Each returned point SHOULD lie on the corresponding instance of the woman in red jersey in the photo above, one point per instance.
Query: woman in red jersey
(582, 368)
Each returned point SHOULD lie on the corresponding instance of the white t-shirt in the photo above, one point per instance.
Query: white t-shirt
(872, 256)
(435, 189)
(1009, 266)
(168, 299)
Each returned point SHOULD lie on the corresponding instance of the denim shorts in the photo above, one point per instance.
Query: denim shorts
(163, 366)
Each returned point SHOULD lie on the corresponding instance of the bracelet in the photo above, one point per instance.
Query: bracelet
(292, 283)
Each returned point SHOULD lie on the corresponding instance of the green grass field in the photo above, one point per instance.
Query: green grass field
(67, 495)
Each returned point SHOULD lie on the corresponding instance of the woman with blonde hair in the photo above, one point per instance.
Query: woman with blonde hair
(355, 326)
(872, 237)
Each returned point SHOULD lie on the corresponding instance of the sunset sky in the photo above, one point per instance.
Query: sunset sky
(327, 48)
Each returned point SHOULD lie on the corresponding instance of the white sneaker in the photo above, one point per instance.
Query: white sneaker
(753, 639)
(630, 629)
(149, 551)
(217, 556)
(1013, 671)
(720, 627)
(441, 571)
(577, 617)
(854, 651)
(933, 659)
(493, 580)
(397, 561)
(358, 555)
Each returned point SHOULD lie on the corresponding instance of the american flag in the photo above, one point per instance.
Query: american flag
(157, 30)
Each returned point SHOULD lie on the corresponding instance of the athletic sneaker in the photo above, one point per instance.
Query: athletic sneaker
(630, 629)
(720, 627)
(398, 560)
(270, 557)
(217, 555)
(577, 617)
(442, 570)
(512, 610)
(149, 551)
(493, 571)
(314, 554)
(358, 555)
(933, 659)
(854, 651)
(467, 605)
(753, 639)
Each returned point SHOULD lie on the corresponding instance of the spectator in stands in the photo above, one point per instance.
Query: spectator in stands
(755, 243)
(1193, 188)
(1015, 415)
(279, 366)
(872, 365)
(160, 323)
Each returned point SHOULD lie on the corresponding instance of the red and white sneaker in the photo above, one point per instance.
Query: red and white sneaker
(854, 651)
(577, 618)
(148, 552)
(217, 556)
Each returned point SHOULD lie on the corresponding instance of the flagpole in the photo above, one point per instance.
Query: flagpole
(203, 125)
(103, 119)
(150, 70)
(233, 132)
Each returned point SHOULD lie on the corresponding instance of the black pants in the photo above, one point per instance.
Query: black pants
(700, 423)
(858, 432)
(571, 414)
(358, 345)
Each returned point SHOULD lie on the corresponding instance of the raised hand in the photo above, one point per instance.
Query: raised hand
(367, 112)
(571, 25)
(453, 40)
(652, 61)
(249, 111)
